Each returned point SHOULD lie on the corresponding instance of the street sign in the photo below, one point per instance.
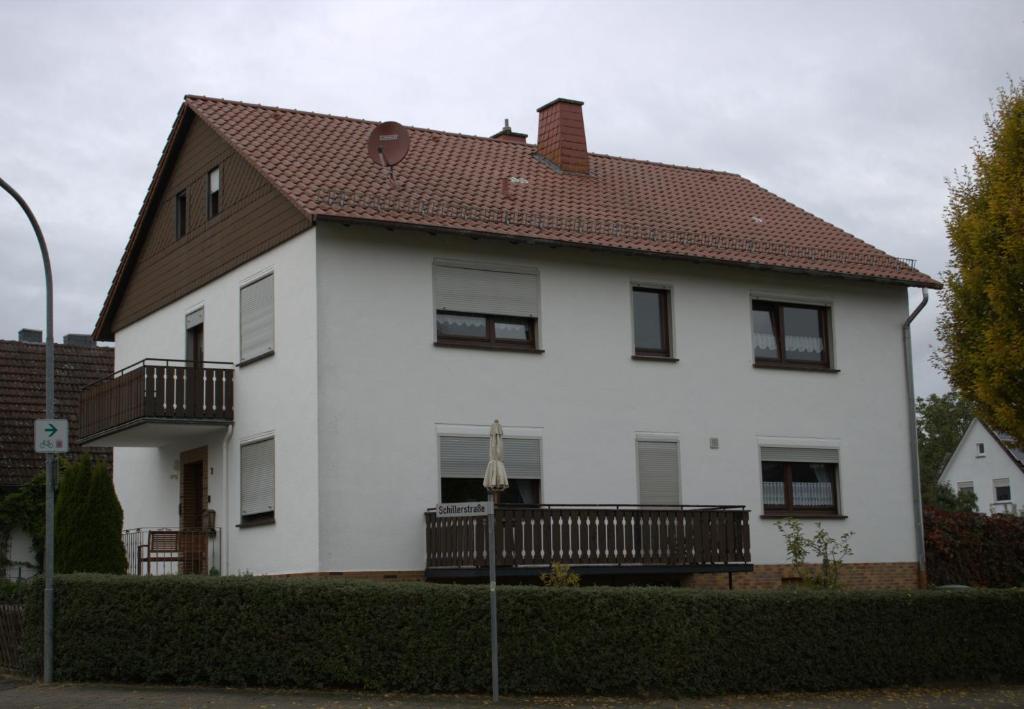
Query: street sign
(51, 435)
(464, 509)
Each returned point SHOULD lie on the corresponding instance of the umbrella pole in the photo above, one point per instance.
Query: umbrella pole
(494, 602)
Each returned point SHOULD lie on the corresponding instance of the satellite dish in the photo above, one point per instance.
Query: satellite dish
(388, 144)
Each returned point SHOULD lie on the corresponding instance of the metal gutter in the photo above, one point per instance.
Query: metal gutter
(915, 463)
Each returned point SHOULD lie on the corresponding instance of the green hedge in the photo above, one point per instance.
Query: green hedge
(426, 638)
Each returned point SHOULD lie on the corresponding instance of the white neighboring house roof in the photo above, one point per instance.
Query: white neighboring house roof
(1002, 441)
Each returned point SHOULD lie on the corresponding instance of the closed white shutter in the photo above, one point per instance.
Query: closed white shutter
(257, 318)
(257, 466)
(487, 291)
(779, 454)
(658, 468)
(466, 457)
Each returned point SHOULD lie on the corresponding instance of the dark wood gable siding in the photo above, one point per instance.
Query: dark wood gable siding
(254, 218)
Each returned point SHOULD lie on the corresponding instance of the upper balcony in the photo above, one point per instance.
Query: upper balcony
(157, 402)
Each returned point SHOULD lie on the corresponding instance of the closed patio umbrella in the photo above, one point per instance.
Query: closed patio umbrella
(495, 477)
(495, 480)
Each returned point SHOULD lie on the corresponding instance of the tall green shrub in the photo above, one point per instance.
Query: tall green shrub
(88, 521)
(599, 640)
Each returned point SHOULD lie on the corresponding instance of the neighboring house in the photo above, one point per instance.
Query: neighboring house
(988, 463)
(76, 363)
(311, 348)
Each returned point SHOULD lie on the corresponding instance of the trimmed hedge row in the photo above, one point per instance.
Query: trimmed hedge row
(432, 638)
(974, 549)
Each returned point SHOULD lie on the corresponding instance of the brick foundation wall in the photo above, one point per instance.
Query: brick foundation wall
(897, 576)
(891, 576)
(365, 575)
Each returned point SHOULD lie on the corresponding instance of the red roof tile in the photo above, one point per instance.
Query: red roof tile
(23, 399)
(460, 182)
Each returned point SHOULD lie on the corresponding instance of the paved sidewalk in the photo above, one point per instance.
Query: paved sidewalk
(17, 694)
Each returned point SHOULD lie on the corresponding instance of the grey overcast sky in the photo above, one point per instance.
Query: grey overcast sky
(855, 111)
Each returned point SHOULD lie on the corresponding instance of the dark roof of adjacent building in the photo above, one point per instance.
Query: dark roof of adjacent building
(1007, 443)
(23, 399)
(507, 189)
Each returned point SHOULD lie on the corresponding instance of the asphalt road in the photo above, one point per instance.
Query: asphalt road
(18, 694)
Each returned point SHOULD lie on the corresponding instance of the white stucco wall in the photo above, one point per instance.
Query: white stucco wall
(276, 394)
(385, 388)
(22, 558)
(967, 465)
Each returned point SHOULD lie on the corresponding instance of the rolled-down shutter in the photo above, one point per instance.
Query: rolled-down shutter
(257, 318)
(257, 466)
(779, 454)
(486, 291)
(658, 468)
(466, 457)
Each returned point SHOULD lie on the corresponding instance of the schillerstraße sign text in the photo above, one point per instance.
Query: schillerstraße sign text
(463, 509)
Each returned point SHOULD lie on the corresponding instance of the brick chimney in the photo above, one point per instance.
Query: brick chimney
(34, 337)
(560, 135)
(506, 135)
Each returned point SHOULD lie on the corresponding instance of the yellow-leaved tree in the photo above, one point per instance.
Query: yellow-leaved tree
(982, 327)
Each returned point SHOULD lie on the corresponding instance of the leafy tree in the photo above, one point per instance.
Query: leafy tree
(949, 500)
(88, 521)
(941, 423)
(982, 326)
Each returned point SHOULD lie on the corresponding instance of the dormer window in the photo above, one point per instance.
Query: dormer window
(180, 215)
(213, 193)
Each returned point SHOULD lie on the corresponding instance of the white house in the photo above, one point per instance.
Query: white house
(987, 463)
(312, 345)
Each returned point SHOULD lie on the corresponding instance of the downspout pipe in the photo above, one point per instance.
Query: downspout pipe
(226, 524)
(915, 463)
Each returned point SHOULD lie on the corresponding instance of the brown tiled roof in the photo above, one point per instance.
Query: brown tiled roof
(464, 183)
(23, 399)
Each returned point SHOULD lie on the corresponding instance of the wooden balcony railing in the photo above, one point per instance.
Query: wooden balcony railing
(623, 535)
(164, 389)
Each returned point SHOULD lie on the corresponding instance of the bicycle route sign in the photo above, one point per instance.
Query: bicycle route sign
(51, 435)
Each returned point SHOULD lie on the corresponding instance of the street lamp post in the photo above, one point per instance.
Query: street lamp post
(50, 482)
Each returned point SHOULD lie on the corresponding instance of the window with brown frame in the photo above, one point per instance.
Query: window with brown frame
(180, 215)
(791, 335)
(213, 193)
(651, 322)
(485, 330)
(798, 486)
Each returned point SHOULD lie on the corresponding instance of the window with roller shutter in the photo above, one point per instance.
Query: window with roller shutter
(657, 461)
(486, 306)
(463, 460)
(802, 481)
(256, 461)
(256, 320)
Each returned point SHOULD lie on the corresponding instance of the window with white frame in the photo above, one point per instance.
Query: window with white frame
(463, 459)
(491, 306)
(799, 480)
(256, 463)
(981, 450)
(657, 465)
(967, 486)
(256, 319)
(1002, 489)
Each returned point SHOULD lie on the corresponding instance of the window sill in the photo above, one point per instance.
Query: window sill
(256, 521)
(797, 367)
(257, 358)
(801, 514)
(654, 358)
(487, 346)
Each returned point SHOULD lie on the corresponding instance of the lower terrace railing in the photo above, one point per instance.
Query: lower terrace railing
(162, 551)
(685, 536)
(158, 389)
